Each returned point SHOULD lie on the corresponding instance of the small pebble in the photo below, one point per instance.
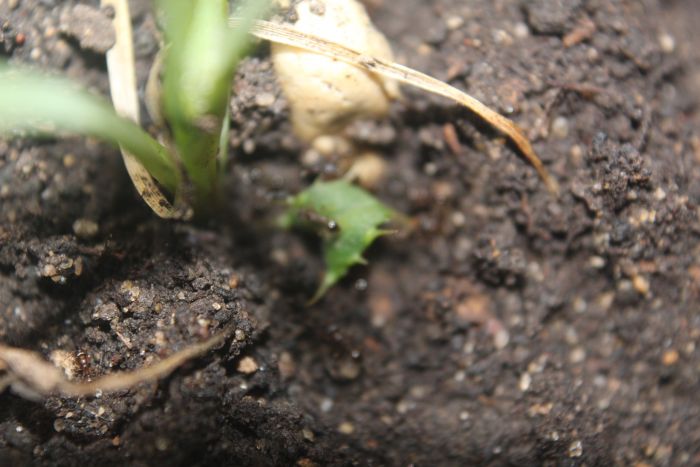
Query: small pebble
(381, 308)
(348, 370)
(667, 43)
(59, 425)
(525, 381)
(454, 22)
(577, 355)
(501, 37)
(326, 405)
(131, 291)
(641, 284)
(266, 99)
(521, 30)
(458, 219)
(576, 449)
(501, 339)
(311, 157)
(306, 462)
(369, 169)
(286, 365)
(605, 300)
(308, 434)
(475, 308)
(560, 127)
(249, 146)
(592, 55)
(670, 357)
(247, 366)
(424, 50)
(346, 428)
(162, 444)
(660, 194)
(430, 168)
(69, 161)
(580, 305)
(85, 228)
(540, 409)
(49, 270)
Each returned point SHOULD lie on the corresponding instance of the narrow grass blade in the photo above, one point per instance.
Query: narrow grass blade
(41, 105)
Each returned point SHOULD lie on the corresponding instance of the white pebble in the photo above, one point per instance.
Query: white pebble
(560, 128)
(667, 43)
(525, 381)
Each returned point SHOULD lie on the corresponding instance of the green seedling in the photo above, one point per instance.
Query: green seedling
(200, 60)
(36, 105)
(179, 170)
(200, 52)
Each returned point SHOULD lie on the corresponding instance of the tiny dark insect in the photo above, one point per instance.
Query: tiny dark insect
(82, 361)
(314, 218)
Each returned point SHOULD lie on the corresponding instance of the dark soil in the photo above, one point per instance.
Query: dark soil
(510, 328)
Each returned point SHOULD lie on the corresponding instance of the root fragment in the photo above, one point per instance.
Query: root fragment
(32, 377)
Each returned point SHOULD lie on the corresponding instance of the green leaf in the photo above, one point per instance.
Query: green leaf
(201, 57)
(356, 216)
(41, 105)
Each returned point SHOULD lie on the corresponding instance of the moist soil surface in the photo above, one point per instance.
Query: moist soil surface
(508, 327)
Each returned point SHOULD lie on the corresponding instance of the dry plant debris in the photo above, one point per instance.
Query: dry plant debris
(122, 85)
(29, 375)
(290, 35)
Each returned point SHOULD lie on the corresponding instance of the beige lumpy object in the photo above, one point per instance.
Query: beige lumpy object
(324, 94)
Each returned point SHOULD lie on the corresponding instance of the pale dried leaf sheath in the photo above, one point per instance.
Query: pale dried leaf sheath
(122, 83)
(29, 374)
(288, 35)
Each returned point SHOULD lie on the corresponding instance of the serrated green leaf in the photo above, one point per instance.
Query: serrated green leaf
(356, 215)
(40, 105)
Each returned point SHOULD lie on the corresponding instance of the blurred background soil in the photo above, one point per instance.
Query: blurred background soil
(509, 328)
